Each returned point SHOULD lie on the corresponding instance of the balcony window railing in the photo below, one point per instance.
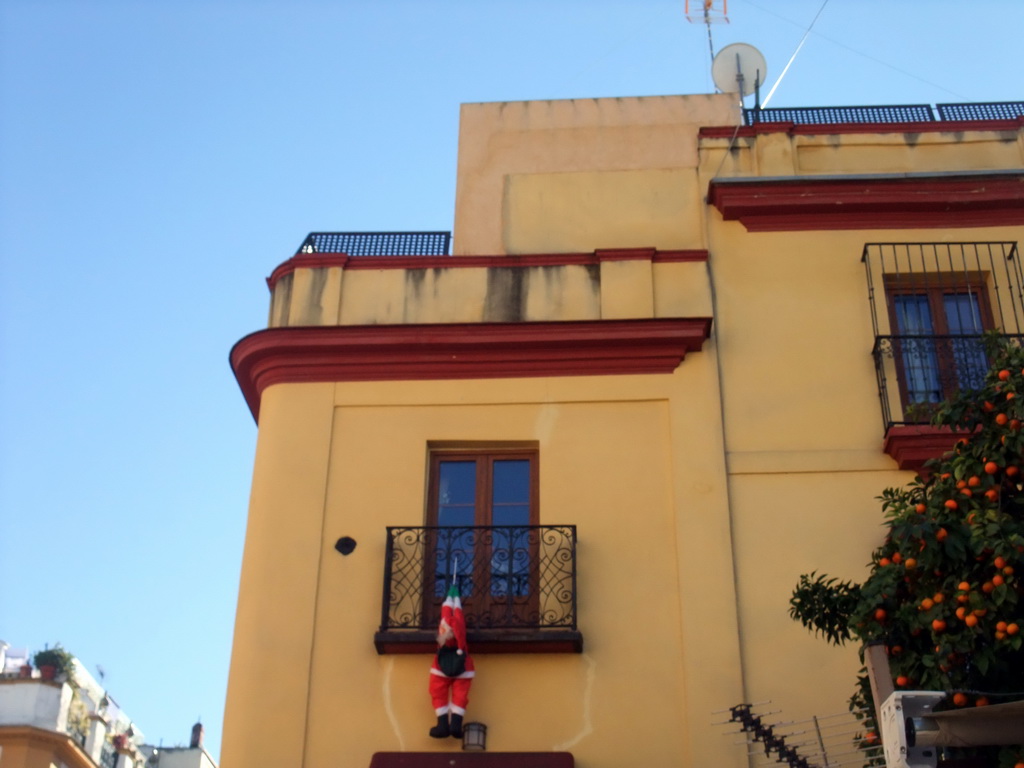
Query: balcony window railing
(931, 304)
(518, 586)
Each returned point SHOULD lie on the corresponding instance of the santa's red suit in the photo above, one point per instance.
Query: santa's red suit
(450, 693)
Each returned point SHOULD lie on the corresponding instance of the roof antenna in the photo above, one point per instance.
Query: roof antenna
(709, 12)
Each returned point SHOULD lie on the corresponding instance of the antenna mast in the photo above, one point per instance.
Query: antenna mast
(709, 12)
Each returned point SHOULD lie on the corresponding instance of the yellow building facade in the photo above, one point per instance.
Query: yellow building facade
(663, 372)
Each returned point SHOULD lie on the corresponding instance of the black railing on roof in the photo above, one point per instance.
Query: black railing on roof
(510, 577)
(898, 113)
(378, 243)
(993, 110)
(931, 304)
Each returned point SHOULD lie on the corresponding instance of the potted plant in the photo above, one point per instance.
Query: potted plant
(54, 662)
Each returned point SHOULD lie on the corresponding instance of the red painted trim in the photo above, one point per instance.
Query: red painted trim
(912, 445)
(871, 202)
(314, 260)
(462, 351)
(803, 129)
(483, 641)
(664, 257)
(449, 759)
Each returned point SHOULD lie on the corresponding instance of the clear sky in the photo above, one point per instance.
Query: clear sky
(158, 158)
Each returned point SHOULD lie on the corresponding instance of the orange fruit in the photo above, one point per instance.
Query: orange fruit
(941, 534)
(1012, 629)
(910, 564)
(1008, 570)
(998, 580)
(987, 587)
(971, 621)
(974, 481)
(938, 597)
(961, 484)
(938, 625)
(951, 504)
(920, 509)
(992, 494)
(960, 699)
(1001, 418)
(999, 562)
(927, 603)
(961, 612)
(980, 611)
(1001, 626)
(902, 681)
(964, 586)
(981, 701)
(880, 614)
(897, 558)
(1000, 635)
(1004, 375)
(884, 561)
(967, 492)
(991, 468)
(1011, 471)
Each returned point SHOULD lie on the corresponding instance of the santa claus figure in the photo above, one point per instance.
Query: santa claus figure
(452, 672)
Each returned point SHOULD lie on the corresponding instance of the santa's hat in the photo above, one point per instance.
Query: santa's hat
(452, 615)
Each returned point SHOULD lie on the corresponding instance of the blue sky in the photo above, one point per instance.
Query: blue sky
(159, 158)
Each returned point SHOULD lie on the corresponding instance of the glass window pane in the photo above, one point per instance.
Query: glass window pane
(510, 501)
(963, 315)
(456, 495)
(510, 506)
(920, 362)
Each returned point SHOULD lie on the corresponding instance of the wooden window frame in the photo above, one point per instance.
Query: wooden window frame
(935, 286)
(484, 458)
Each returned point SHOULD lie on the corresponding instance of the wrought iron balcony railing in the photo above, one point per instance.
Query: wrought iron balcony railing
(517, 585)
(931, 304)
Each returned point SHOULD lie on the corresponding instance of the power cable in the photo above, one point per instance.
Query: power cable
(859, 53)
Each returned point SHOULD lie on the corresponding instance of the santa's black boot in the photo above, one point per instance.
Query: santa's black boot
(456, 728)
(441, 730)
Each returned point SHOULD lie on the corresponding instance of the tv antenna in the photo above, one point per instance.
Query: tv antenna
(709, 12)
(740, 68)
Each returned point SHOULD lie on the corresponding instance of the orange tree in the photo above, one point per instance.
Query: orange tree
(944, 592)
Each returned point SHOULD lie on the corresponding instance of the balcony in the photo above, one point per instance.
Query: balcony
(518, 587)
(931, 305)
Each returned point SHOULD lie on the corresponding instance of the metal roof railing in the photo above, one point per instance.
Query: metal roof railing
(893, 113)
(378, 243)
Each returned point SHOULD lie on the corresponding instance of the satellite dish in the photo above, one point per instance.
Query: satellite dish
(739, 68)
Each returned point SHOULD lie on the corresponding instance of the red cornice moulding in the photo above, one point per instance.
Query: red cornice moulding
(320, 260)
(825, 203)
(804, 129)
(911, 445)
(461, 351)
